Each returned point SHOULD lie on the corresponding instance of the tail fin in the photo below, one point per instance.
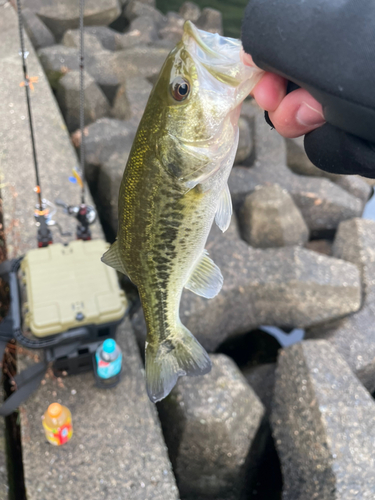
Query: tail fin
(177, 356)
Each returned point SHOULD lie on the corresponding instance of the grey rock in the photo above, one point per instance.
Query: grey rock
(211, 424)
(172, 35)
(262, 380)
(121, 108)
(68, 96)
(117, 449)
(101, 67)
(354, 336)
(152, 3)
(165, 43)
(245, 142)
(299, 163)
(106, 36)
(137, 91)
(71, 38)
(174, 28)
(287, 287)
(190, 11)
(104, 138)
(142, 30)
(140, 61)
(174, 19)
(57, 61)
(324, 426)
(135, 8)
(355, 185)
(322, 203)
(110, 176)
(35, 5)
(62, 16)
(147, 27)
(128, 40)
(355, 242)
(320, 246)
(269, 218)
(269, 146)
(210, 20)
(40, 36)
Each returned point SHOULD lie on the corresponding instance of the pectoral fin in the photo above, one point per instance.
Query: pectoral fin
(224, 210)
(113, 259)
(206, 279)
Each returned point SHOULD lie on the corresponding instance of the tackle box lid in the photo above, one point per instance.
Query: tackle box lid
(67, 286)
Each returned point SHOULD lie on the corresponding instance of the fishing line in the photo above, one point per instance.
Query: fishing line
(26, 82)
(82, 99)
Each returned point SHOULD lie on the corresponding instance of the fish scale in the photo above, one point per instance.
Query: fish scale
(174, 186)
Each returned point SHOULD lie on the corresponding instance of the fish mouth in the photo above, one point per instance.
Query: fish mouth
(219, 55)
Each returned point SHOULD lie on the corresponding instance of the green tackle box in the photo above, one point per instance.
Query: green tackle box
(67, 286)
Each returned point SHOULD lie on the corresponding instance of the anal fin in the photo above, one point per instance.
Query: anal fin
(224, 210)
(206, 280)
(113, 259)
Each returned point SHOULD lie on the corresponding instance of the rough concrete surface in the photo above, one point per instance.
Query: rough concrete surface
(68, 96)
(105, 137)
(270, 218)
(324, 426)
(109, 180)
(245, 141)
(262, 380)
(117, 450)
(61, 16)
(355, 243)
(354, 336)
(213, 426)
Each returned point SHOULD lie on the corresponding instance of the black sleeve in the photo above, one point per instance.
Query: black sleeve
(328, 48)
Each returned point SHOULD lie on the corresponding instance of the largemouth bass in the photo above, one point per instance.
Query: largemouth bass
(174, 186)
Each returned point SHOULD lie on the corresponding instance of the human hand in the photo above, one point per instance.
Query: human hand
(292, 114)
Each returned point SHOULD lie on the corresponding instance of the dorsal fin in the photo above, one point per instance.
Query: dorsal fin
(206, 279)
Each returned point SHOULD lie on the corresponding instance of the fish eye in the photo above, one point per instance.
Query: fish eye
(180, 88)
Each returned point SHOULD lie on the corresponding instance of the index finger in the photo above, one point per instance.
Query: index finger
(270, 90)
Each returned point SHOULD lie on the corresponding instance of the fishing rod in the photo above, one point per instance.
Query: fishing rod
(41, 213)
(85, 214)
(44, 210)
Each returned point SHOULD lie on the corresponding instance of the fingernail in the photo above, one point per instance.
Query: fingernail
(309, 116)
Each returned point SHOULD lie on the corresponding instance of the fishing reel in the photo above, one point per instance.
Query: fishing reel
(85, 215)
(44, 220)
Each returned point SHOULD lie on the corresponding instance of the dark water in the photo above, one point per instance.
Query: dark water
(232, 12)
